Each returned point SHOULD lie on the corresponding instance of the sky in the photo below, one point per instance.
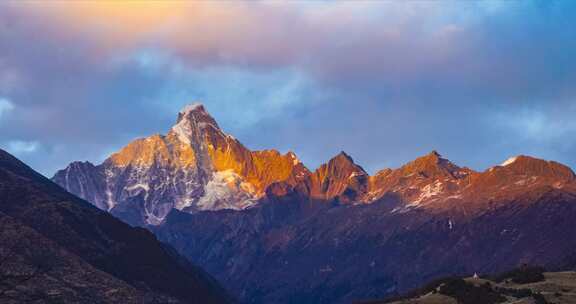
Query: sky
(385, 81)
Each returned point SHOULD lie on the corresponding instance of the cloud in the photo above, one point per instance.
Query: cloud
(5, 106)
(239, 98)
(461, 46)
(251, 33)
(19, 147)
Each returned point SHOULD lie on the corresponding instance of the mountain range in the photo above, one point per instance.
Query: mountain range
(273, 231)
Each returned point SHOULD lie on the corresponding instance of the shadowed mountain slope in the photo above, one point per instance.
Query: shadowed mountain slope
(56, 247)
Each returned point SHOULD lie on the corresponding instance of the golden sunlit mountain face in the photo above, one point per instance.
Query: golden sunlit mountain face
(164, 150)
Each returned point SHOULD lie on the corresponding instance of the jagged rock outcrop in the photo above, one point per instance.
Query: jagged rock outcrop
(340, 179)
(426, 179)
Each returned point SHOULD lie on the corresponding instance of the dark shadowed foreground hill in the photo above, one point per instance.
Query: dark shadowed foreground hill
(56, 248)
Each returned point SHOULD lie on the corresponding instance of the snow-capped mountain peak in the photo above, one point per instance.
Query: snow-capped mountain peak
(196, 106)
(196, 166)
(192, 121)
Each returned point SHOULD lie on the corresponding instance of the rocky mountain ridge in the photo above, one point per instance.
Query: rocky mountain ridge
(196, 166)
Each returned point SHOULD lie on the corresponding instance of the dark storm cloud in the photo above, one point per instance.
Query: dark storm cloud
(385, 81)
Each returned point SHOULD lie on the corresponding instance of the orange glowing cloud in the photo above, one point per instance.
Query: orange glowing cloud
(107, 23)
(200, 31)
(340, 37)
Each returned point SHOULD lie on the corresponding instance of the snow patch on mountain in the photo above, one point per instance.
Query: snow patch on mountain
(509, 161)
(429, 191)
(227, 190)
(145, 187)
(295, 159)
(355, 174)
(183, 129)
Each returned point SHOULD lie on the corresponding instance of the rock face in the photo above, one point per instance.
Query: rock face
(274, 232)
(57, 248)
(340, 178)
